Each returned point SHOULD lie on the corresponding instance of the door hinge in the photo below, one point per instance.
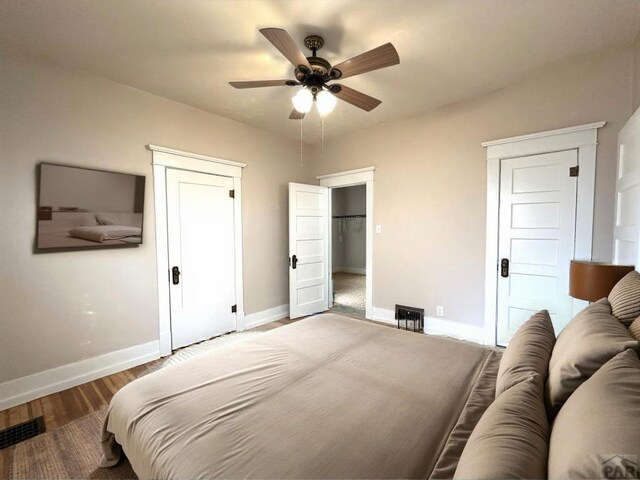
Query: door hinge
(232, 193)
(234, 308)
(574, 171)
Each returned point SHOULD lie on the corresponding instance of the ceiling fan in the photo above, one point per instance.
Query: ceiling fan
(314, 74)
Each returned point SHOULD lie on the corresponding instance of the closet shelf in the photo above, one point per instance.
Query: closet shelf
(349, 216)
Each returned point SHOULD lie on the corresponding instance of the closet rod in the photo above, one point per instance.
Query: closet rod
(349, 216)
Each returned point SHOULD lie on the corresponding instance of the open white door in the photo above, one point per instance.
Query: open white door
(308, 249)
(536, 239)
(200, 214)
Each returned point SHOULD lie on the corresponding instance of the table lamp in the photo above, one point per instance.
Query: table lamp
(593, 280)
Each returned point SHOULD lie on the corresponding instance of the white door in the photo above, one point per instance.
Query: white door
(308, 249)
(201, 256)
(536, 239)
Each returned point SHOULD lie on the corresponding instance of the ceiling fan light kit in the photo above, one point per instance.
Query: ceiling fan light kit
(326, 102)
(303, 100)
(314, 74)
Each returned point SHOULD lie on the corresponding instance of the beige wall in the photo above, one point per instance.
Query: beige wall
(636, 73)
(430, 179)
(89, 190)
(429, 197)
(349, 235)
(59, 308)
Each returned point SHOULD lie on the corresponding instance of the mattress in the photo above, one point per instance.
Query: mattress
(325, 397)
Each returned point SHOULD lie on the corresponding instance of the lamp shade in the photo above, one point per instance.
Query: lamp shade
(303, 100)
(326, 103)
(592, 280)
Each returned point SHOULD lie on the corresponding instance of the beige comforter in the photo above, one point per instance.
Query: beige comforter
(325, 397)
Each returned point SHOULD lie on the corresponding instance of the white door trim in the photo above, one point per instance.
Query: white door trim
(163, 158)
(361, 176)
(188, 156)
(584, 138)
(366, 173)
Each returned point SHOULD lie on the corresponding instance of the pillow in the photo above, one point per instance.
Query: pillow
(128, 219)
(528, 352)
(590, 340)
(72, 219)
(625, 298)
(634, 329)
(102, 233)
(598, 425)
(511, 439)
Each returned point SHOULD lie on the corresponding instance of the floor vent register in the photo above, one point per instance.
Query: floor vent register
(410, 318)
(23, 431)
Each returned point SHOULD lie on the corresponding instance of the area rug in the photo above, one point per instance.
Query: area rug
(207, 346)
(349, 290)
(71, 451)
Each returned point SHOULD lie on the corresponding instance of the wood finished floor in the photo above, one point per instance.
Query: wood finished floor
(63, 407)
(66, 406)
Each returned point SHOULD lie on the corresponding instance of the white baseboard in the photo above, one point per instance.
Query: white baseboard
(437, 326)
(448, 328)
(253, 320)
(25, 389)
(383, 315)
(356, 270)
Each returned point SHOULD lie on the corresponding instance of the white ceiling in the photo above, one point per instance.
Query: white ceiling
(187, 50)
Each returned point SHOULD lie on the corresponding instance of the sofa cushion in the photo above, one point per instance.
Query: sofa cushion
(598, 427)
(625, 298)
(511, 439)
(634, 329)
(590, 340)
(528, 352)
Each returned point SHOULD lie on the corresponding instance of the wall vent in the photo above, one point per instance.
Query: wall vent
(23, 431)
(410, 318)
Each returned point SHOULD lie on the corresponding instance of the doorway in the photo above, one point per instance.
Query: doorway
(540, 205)
(198, 220)
(201, 256)
(359, 177)
(348, 250)
(310, 245)
(536, 239)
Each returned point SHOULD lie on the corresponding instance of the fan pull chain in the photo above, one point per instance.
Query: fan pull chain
(300, 142)
(322, 137)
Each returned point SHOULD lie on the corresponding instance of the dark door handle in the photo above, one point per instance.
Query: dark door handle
(294, 262)
(504, 267)
(175, 274)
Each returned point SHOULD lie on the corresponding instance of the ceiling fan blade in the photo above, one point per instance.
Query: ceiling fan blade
(296, 115)
(260, 83)
(358, 99)
(285, 44)
(381, 57)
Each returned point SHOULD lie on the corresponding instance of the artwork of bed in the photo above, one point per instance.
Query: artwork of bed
(85, 208)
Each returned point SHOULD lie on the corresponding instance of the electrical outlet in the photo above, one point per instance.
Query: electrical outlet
(440, 311)
(378, 228)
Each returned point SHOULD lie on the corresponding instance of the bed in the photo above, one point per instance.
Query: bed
(325, 397)
(87, 229)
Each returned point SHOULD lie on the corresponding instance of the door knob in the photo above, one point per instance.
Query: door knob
(294, 262)
(504, 267)
(175, 274)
